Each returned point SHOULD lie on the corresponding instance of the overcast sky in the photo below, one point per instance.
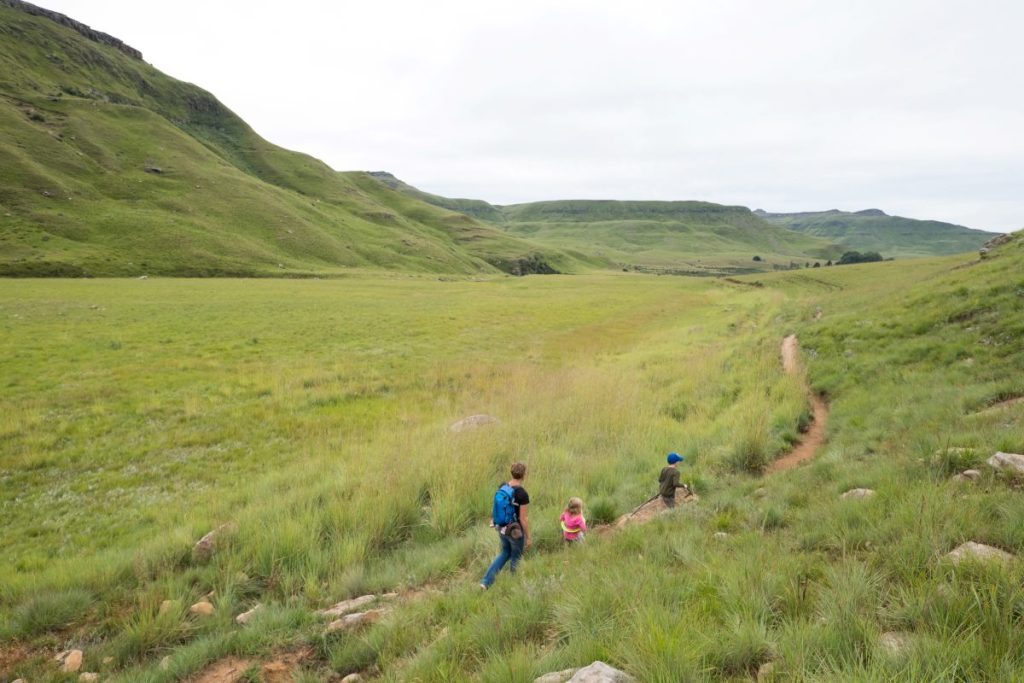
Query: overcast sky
(912, 107)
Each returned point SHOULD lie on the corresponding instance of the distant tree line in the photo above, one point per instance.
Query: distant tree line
(846, 258)
(858, 257)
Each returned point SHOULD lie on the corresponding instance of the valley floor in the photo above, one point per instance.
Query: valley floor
(313, 416)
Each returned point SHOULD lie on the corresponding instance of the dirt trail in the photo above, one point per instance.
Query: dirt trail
(815, 435)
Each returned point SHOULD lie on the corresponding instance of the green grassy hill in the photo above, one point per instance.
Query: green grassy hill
(698, 238)
(684, 236)
(109, 167)
(891, 236)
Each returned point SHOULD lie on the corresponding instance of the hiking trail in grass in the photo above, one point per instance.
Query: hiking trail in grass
(815, 436)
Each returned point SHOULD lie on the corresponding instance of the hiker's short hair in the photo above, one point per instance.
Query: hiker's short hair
(575, 505)
(518, 470)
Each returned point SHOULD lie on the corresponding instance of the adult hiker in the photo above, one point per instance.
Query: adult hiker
(509, 518)
(668, 481)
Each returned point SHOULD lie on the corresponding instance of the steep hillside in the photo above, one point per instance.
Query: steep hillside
(874, 230)
(689, 237)
(109, 167)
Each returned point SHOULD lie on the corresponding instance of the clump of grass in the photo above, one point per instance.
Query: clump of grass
(739, 650)
(603, 510)
(50, 610)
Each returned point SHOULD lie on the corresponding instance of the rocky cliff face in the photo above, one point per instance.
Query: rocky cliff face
(91, 34)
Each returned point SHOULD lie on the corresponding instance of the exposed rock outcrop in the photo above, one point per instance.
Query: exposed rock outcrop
(90, 33)
(857, 494)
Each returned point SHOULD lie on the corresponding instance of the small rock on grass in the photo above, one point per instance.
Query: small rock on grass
(978, 551)
(352, 678)
(73, 662)
(206, 546)
(203, 608)
(245, 617)
(967, 476)
(353, 621)
(556, 676)
(346, 606)
(721, 535)
(1007, 461)
(857, 494)
(89, 677)
(895, 643)
(599, 672)
(165, 663)
(472, 422)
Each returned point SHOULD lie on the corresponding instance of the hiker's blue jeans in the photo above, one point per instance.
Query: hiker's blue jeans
(510, 550)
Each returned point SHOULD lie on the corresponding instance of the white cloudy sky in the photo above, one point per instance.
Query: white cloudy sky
(915, 107)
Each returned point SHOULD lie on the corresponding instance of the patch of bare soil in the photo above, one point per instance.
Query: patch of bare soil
(1002, 405)
(231, 669)
(13, 654)
(815, 436)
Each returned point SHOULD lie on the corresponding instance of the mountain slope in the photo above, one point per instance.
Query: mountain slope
(682, 236)
(874, 230)
(109, 167)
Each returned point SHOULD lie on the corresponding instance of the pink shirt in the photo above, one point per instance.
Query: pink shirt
(572, 525)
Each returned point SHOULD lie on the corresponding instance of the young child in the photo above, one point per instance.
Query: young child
(574, 526)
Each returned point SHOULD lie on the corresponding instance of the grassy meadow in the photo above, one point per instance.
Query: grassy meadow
(139, 414)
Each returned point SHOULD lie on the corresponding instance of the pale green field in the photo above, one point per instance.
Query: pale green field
(138, 414)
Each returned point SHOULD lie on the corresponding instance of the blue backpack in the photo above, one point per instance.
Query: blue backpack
(503, 513)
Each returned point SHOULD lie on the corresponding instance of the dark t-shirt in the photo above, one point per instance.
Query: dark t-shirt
(668, 481)
(519, 497)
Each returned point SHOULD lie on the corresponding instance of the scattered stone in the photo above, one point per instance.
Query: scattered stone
(149, 168)
(61, 656)
(350, 622)
(967, 476)
(88, 677)
(857, 494)
(556, 676)
(721, 535)
(107, 661)
(244, 618)
(165, 663)
(143, 277)
(347, 606)
(765, 672)
(472, 422)
(207, 545)
(203, 608)
(895, 643)
(351, 605)
(977, 551)
(73, 662)
(1007, 461)
(599, 672)
(352, 678)
(19, 680)
(166, 606)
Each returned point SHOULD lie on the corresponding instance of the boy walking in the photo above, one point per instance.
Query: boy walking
(668, 482)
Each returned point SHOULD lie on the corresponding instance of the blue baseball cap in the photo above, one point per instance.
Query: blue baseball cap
(674, 457)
